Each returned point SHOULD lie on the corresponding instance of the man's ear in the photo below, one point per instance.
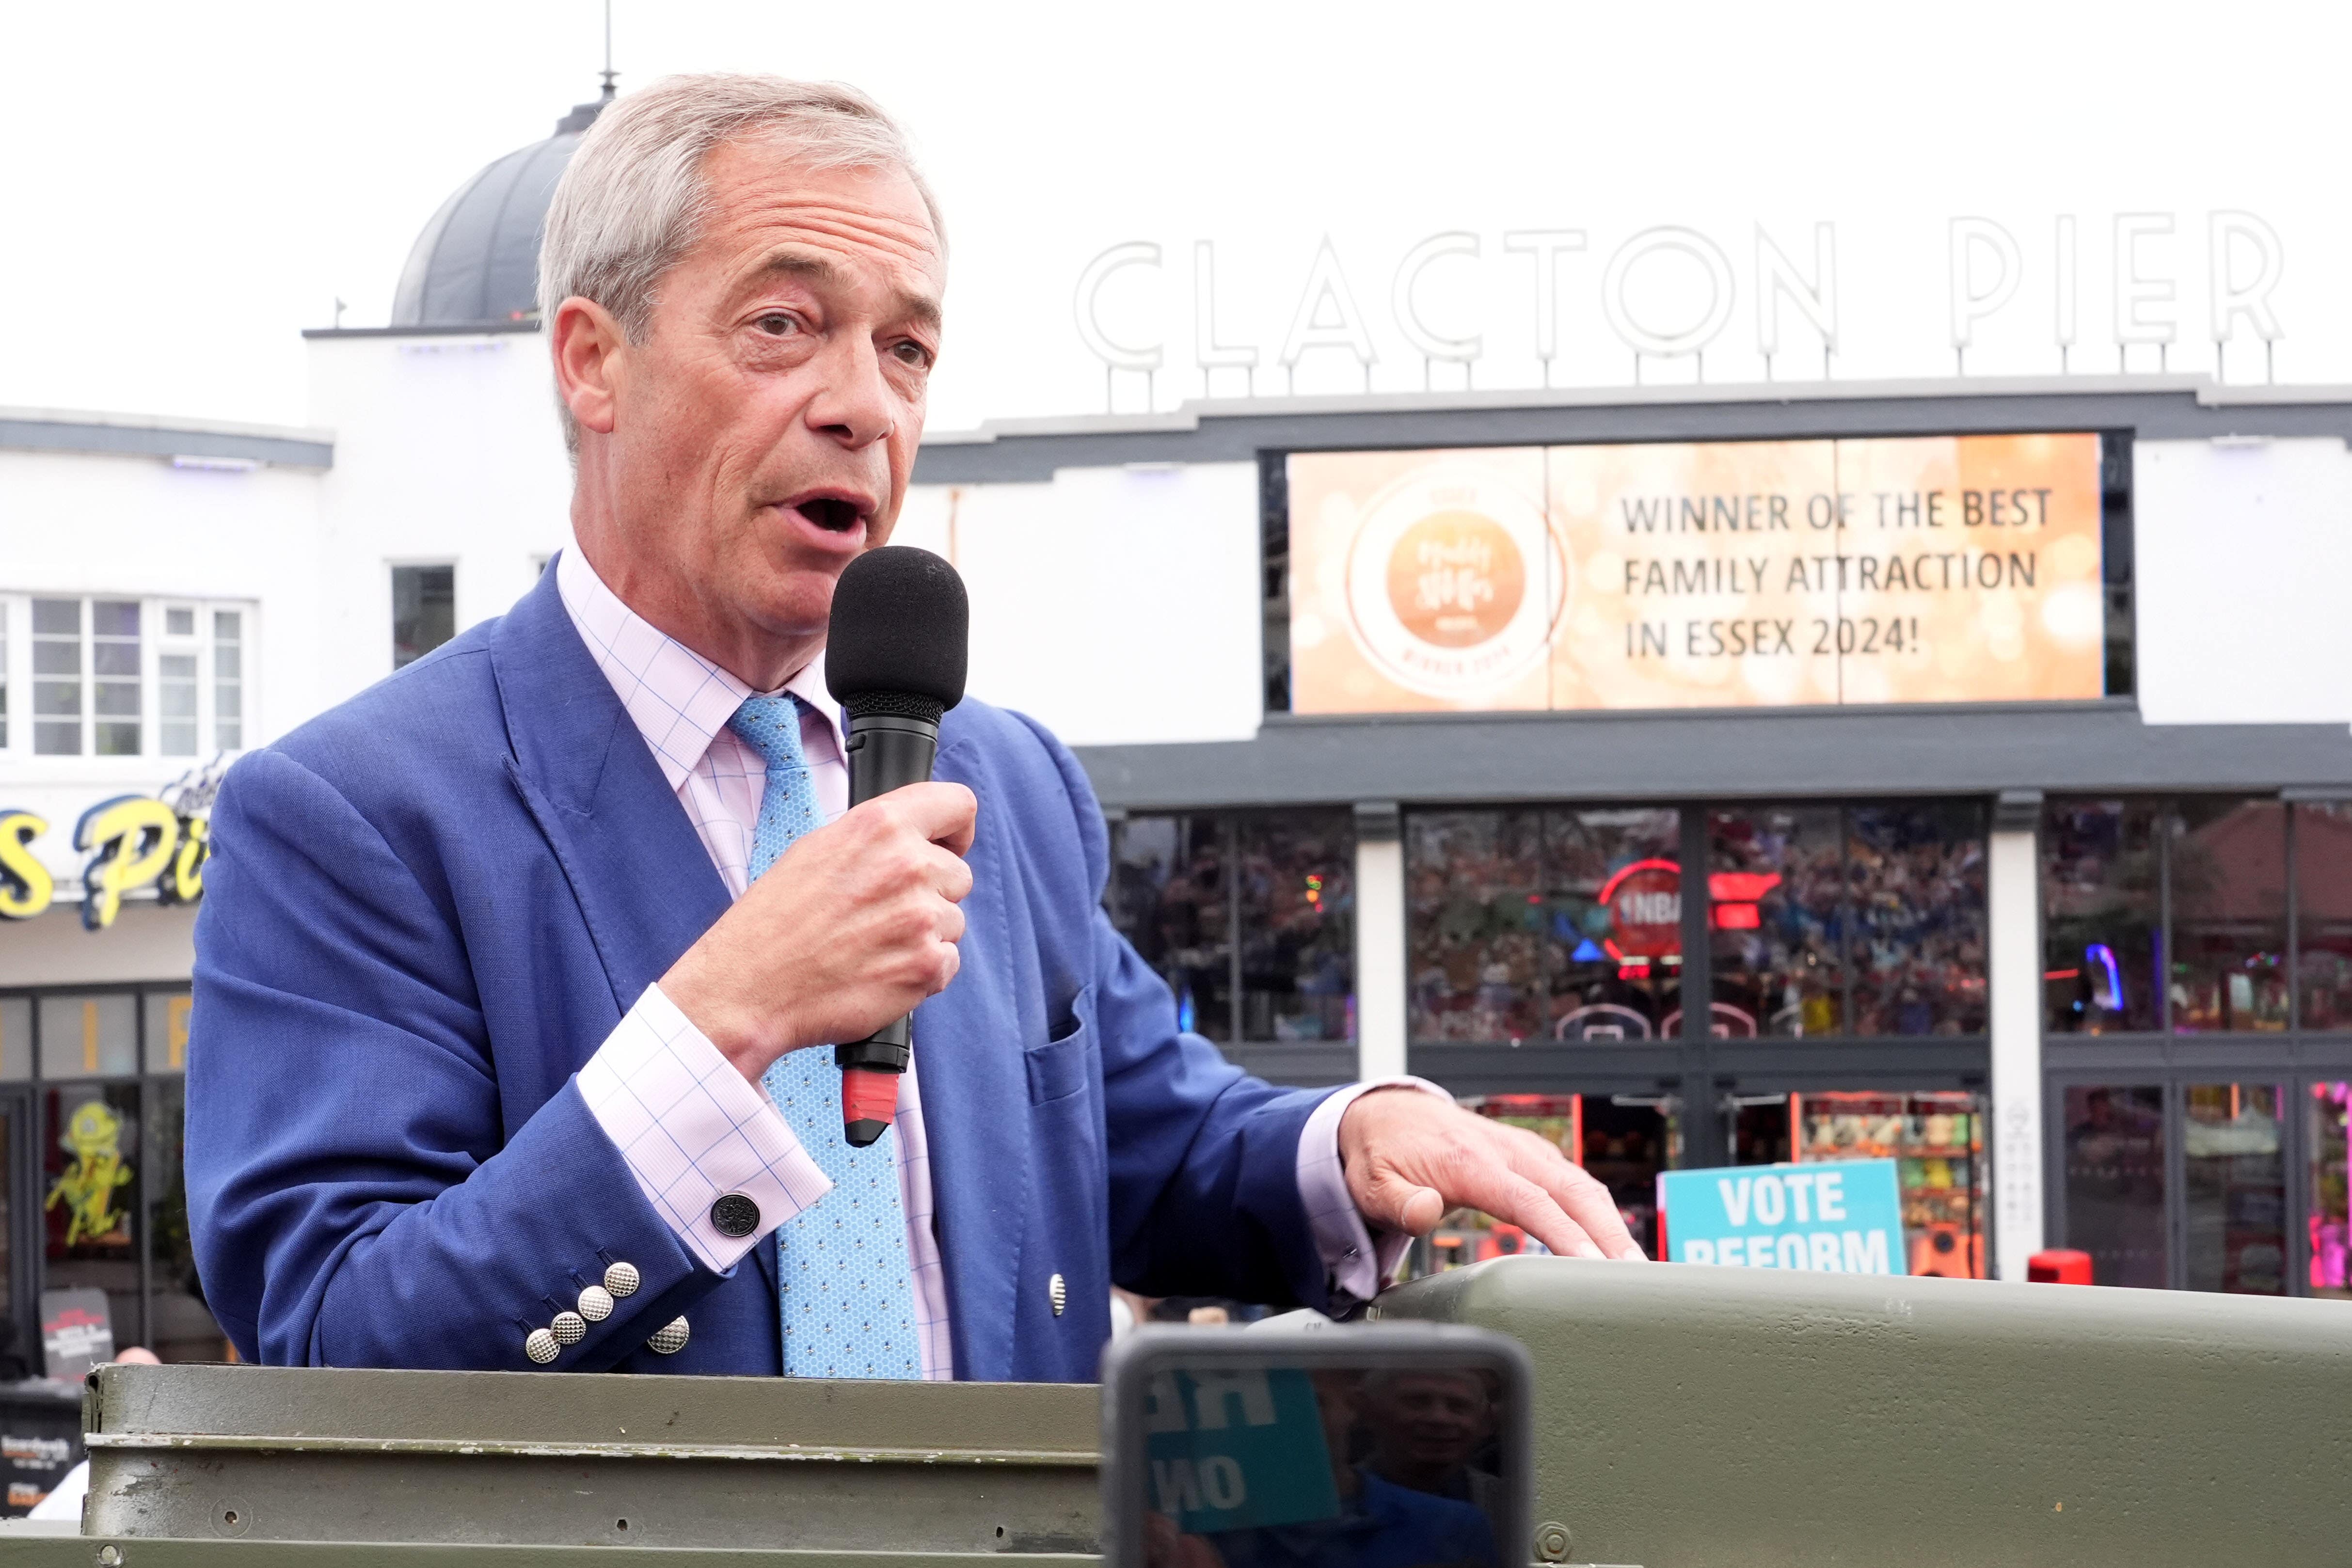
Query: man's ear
(591, 362)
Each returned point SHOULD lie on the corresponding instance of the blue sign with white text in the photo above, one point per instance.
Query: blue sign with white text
(1842, 1216)
(1237, 1449)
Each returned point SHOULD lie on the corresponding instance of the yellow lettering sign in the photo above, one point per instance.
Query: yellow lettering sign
(185, 882)
(129, 840)
(25, 885)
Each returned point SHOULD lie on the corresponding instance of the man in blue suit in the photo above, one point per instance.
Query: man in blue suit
(510, 968)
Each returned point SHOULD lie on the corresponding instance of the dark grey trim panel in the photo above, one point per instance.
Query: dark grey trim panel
(1206, 433)
(445, 330)
(1309, 1064)
(1734, 755)
(1757, 1067)
(2213, 1058)
(17, 435)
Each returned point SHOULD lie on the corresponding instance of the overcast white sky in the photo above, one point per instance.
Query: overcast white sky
(188, 185)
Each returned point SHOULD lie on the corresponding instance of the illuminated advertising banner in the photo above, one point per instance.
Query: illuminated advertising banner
(1730, 574)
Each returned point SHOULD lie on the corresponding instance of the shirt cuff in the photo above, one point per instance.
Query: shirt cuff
(1355, 1262)
(692, 1129)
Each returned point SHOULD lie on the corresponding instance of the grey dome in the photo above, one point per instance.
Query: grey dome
(477, 263)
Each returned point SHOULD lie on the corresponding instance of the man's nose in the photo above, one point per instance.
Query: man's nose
(856, 406)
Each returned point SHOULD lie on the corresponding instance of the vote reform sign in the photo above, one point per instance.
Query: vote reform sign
(1844, 1216)
(1237, 1449)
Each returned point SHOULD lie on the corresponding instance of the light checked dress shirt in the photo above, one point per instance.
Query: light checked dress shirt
(689, 1126)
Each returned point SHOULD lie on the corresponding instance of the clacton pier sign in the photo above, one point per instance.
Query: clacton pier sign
(2115, 292)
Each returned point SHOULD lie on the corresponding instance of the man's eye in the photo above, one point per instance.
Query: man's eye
(914, 354)
(776, 324)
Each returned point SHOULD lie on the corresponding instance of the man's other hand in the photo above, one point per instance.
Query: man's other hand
(1409, 1156)
(852, 926)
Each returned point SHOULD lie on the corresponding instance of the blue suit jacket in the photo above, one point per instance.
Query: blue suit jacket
(428, 908)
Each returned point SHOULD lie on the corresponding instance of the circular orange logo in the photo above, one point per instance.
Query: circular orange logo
(1456, 578)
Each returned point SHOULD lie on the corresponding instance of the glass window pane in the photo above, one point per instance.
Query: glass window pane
(114, 618)
(1298, 926)
(227, 663)
(51, 738)
(1936, 1140)
(424, 611)
(2228, 871)
(167, 1031)
(2114, 1182)
(1918, 880)
(115, 738)
(1168, 896)
(2100, 906)
(179, 622)
(1477, 930)
(2235, 1189)
(2331, 1217)
(179, 1326)
(57, 658)
(90, 1159)
(1625, 1147)
(116, 699)
(1774, 876)
(2322, 892)
(1613, 913)
(57, 618)
(228, 625)
(90, 1036)
(119, 659)
(16, 1040)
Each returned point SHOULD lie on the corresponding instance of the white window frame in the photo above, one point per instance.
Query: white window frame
(153, 644)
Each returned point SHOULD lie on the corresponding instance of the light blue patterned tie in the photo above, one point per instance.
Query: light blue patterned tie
(847, 1300)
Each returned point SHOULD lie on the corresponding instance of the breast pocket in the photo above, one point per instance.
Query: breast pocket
(1064, 1066)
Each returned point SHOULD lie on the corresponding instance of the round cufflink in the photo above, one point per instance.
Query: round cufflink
(1058, 1293)
(621, 1279)
(670, 1339)
(734, 1217)
(542, 1346)
(569, 1328)
(595, 1303)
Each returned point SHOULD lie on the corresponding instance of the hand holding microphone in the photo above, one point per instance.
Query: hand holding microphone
(857, 921)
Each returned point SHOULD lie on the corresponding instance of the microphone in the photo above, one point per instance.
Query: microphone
(894, 659)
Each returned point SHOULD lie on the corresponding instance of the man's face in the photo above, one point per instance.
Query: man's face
(1431, 1420)
(764, 431)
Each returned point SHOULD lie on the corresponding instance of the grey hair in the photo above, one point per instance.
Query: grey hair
(633, 199)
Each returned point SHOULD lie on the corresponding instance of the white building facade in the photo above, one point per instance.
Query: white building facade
(2122, 1024)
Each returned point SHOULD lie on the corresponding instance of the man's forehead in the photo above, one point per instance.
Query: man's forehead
(764, 198)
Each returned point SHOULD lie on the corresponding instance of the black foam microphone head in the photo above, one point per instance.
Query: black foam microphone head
(900, 632)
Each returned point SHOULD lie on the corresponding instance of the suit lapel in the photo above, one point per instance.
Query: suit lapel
(643, 880)
(975, 1106)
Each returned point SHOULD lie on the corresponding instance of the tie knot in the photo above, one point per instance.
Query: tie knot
(771, 726)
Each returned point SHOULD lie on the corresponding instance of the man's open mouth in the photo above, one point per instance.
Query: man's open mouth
(836, 516)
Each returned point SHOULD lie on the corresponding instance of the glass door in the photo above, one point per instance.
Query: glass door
(1935, 1138)
(20, 1334)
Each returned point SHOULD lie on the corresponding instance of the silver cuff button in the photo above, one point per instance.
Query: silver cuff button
(670, 1339)
(569, 1328)
(622, 1280)
(541, 1346)
(1059, 1293)
(595, 1303)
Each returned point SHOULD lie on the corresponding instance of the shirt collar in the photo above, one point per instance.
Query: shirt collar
(678, 700)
